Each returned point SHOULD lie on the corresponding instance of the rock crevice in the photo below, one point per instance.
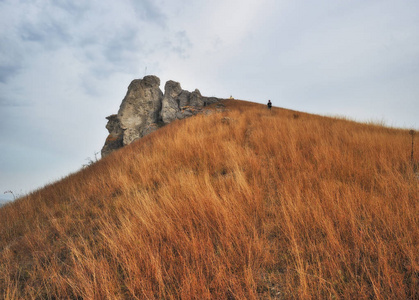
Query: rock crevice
(145, 109)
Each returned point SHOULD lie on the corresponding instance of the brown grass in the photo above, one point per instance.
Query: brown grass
(242, 204)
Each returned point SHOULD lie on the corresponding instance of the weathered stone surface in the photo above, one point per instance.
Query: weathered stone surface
(180, 104)
(140, 107)
(184, 98)
(196, 99)
(170, 103)
(145, 109)
(115, 137)
(211, 100)
(151, 128)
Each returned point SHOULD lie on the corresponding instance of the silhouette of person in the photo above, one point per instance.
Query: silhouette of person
(269, 104)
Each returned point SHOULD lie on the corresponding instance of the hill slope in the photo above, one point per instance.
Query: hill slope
(241, 204)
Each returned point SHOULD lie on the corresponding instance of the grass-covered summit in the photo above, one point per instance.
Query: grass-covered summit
(243, 203)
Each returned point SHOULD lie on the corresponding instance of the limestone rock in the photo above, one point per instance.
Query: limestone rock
(115, 137)
(196, 99)
(145, 109)
(140, 107)
(180, 104)
(184, 98)
(170, 103)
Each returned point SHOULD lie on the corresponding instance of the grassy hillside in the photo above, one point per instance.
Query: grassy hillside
(241, 204)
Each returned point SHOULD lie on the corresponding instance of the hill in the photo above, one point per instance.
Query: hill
(3, 201)
(243, 203)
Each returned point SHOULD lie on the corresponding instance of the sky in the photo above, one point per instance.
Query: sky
(66, 64)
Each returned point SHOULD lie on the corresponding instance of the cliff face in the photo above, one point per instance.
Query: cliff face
(145, 109)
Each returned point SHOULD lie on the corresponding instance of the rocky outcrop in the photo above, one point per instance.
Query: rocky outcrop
(170, 103)
(145, 109)
(140, 108)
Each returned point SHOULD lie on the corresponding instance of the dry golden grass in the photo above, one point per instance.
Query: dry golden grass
(241, 204)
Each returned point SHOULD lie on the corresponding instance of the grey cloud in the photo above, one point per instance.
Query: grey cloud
(121, 52)
(177, 43)
(7, 71)
(24, 37)
(7, 101)
(182, 44)
(122, 43)
(73, 7)
(48, 33)
(11, 95)
(148, 11)
(10, 58)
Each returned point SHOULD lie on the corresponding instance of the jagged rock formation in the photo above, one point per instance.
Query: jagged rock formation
(145, 109)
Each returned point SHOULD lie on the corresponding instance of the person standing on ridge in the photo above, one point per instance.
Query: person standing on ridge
(269, 104)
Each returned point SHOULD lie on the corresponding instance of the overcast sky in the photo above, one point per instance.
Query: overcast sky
(66, 64)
